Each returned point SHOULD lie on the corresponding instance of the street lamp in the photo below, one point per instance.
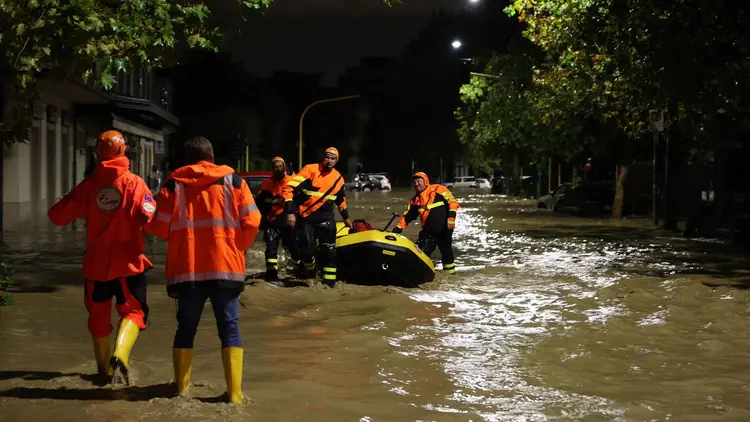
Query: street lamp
(473, 1)
(302, 118)
(456, 44)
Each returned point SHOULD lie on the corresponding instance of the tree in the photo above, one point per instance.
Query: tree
(509, 113)
(95, 39)
(621, 58)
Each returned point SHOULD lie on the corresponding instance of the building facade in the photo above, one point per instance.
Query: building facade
(68, 115)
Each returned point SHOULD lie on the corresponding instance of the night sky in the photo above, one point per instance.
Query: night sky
(330, 35)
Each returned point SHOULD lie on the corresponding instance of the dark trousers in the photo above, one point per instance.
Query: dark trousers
(443, 240)
(278, 233)
(226, 304)
(324, 232)
(130, 302)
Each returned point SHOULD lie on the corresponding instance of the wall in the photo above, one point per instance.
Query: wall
(37, 173)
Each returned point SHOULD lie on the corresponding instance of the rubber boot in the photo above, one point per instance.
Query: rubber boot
(272, 269)
(308, 270)
(101, 352)
(126, 336)
(182, 359)
(232, 359)
(449, 268)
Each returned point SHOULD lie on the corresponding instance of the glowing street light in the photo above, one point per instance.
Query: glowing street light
(473, 1)
(456, 44)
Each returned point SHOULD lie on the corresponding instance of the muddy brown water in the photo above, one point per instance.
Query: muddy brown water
(548, 318)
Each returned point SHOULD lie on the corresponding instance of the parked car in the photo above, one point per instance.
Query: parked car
(254, 179)
(482, 184)
(583, 198)
(460, 182)
(362, 182)
(383, 181)
(548, 202)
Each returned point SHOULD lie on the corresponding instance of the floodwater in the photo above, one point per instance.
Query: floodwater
(548, 318)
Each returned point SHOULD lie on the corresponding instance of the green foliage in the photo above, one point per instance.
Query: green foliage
(628, 56)
(606, 63)
(508, 111)
(94, 39)
(6, 281)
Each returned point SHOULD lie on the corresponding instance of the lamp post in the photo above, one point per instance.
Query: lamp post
(302, 118)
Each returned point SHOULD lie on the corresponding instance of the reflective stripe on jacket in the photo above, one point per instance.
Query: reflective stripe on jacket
(209, 218)
(435, 198)
(313, 191)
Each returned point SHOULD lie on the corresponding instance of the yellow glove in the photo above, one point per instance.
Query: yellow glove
(451, 223)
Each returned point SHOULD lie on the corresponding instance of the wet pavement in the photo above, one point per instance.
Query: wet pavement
(548, 318)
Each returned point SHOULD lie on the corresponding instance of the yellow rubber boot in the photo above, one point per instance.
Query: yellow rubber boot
(232, 359)
(101, 352)
(182, 359)
(126, 336)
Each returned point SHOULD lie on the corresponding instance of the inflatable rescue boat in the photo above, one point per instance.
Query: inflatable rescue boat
(373, 257)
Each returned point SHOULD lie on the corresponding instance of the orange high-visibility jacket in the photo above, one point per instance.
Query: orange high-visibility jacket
(435, 200)
(312, 191)
(116, 204)
(209, 218)
(270, 199)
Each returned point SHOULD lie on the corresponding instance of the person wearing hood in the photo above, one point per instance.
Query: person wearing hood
(116, 204)
(436, 208)
(271, 205)
(312, 194)
(208, 217)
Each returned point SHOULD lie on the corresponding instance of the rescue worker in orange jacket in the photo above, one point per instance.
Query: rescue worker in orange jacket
(312, 194)
(116, 204)
(209, 219)
(271, 205)
(436, 208)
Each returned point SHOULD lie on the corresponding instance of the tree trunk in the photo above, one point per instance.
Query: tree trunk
(2, 174)
(672, 161)
(619, 201)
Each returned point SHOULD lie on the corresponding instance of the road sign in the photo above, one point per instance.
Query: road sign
(656, 120)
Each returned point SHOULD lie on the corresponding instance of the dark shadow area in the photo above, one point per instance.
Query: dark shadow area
(223, 398)
(737, 284)
(36, 375)
(289, 282)
(604, 233)
(34, 288)
(94, 379)
(146, 393)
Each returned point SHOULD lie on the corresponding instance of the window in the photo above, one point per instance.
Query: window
(124, 83)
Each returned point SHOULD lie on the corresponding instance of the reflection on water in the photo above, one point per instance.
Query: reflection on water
(548, 318)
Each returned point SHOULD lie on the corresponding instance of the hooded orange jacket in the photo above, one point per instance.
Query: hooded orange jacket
(270, 200)
(209, 218)
(117, 205)
(436, 201)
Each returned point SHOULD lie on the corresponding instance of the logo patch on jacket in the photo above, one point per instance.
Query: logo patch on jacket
(148, 204)
(108, 199)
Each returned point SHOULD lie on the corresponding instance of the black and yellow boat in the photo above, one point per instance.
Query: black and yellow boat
(375, 257)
